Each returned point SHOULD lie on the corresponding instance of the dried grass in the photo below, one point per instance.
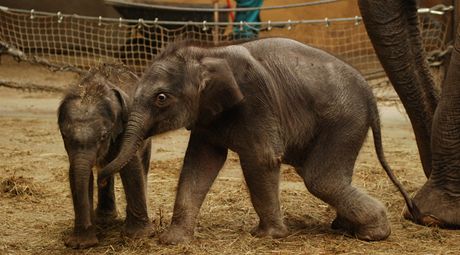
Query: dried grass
(39, 226)
(19, 186)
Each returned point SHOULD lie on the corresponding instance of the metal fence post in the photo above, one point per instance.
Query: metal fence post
(215, 31)
(456, 16)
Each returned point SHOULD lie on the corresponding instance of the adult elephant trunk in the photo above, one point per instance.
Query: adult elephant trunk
(132, 139)
(392, 27)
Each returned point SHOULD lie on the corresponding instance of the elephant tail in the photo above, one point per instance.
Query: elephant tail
(376, 132)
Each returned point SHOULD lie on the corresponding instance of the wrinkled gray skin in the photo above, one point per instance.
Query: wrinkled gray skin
(435, 117)
(91, 120)
(272, 101)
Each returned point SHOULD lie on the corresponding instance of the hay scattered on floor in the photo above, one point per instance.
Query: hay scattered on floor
(19, 186)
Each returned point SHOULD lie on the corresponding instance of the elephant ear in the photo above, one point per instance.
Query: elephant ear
(218, 89)
(123, 100)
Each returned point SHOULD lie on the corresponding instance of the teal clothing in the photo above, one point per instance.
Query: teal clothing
(248, 16)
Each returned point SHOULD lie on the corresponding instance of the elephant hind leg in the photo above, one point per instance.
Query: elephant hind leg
(327, 174)
(106, 211)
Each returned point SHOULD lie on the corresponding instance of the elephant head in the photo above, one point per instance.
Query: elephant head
(182, 88)
(393, 29)
(88, 125)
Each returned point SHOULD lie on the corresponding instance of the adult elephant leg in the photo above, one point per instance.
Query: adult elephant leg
(439, 199)
(137, 223)
(81, 183)
(262, 178)
(106, 210)
(202, 163)
(393, 30)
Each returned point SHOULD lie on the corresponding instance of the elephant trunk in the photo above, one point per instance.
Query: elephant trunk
(131, 141)
(80, 178)
(393, 29)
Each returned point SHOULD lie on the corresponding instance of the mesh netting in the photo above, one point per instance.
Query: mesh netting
(85, 41)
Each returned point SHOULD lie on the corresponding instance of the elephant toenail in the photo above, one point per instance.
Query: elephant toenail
(430, 220)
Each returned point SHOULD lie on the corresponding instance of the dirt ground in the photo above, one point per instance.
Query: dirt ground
(36, 208)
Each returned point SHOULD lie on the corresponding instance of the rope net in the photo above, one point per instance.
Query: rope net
(83, 42)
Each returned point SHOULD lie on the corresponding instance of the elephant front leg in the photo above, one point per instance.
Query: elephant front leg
(201, 165)
(106, 211)
(137, 223)
(439, 206)
(84, 233)
(262, 179)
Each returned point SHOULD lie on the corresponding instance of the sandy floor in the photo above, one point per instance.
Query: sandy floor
(36, 214)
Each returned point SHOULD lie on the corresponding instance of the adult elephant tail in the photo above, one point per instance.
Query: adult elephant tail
(376, 132)
(132, 139)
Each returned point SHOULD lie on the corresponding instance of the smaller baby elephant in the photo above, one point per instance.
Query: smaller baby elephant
(92, 117)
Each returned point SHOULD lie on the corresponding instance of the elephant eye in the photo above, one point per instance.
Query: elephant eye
(161, 99)
(104, 136)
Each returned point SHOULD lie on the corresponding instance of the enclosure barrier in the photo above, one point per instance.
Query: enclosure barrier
(74, 41)
(192, 9)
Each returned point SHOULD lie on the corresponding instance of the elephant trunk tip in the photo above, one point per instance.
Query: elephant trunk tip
(106, 172)
(101, 181)
(102, 176)
(132, 140)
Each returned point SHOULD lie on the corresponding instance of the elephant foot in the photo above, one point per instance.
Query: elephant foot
(340, 223)
(138, 230)
(82, 239)
(437, 208)
(176, 235)
(105, 217)
(273, 231)
(375, 231)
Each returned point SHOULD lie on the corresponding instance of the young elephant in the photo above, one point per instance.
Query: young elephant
(92, 116)
(272, 101)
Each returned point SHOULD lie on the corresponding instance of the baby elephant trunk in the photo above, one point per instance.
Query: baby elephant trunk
(132, 139)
